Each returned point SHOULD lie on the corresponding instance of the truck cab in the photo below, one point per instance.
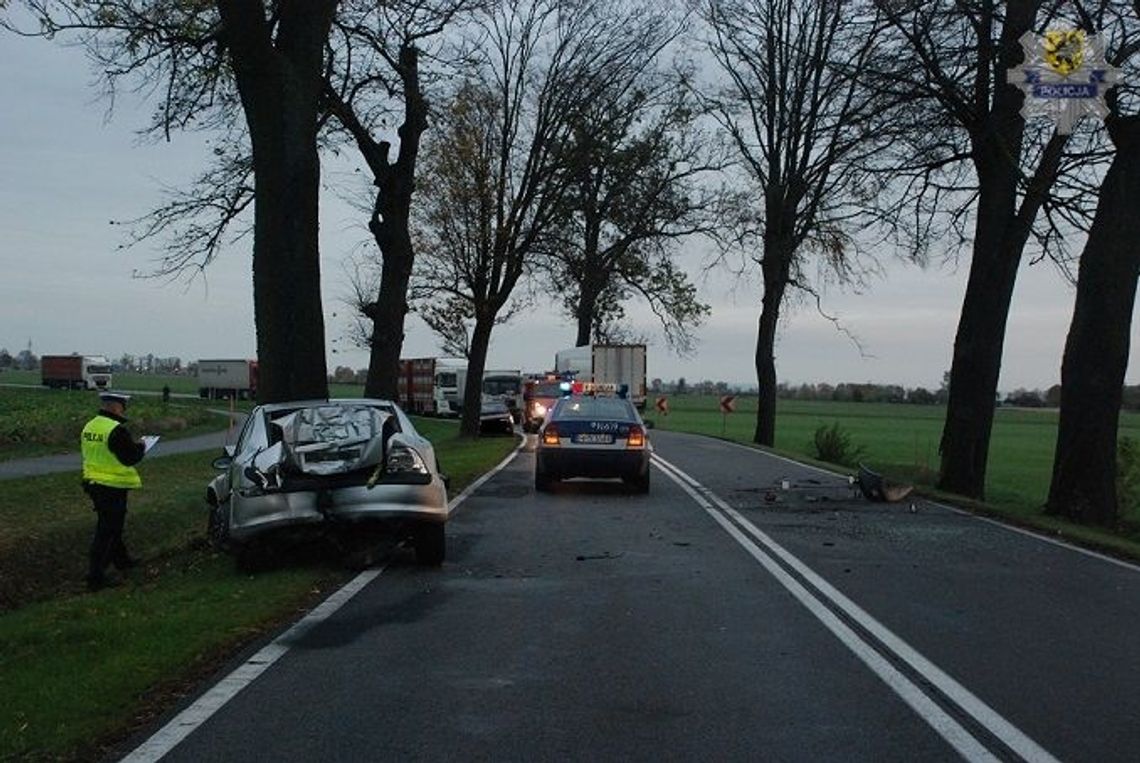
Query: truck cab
(450, 382)
(504, 386)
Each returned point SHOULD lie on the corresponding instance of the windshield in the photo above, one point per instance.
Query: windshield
(501, 385)
(98, 369)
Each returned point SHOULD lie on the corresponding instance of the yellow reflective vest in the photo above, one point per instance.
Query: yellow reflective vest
(100, 465)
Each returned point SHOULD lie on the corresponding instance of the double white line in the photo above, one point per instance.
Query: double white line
(826, 603)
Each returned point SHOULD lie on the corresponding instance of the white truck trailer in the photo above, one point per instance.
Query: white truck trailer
(619, 364)
(227, 379)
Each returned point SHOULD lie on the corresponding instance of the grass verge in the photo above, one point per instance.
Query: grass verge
(79, 671)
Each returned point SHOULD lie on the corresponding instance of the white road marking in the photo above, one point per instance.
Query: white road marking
(950, 730)
(1035, 534)
(169, 736)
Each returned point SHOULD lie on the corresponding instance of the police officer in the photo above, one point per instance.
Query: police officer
(109, 457)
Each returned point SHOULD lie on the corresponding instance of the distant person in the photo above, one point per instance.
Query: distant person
(166, 393)
(109, 457)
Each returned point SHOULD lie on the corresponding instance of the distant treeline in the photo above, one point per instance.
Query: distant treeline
(879, 393)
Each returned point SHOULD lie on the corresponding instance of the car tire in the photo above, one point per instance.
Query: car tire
(639, 482)
(218, 526)
(542, 481)
(430, 541)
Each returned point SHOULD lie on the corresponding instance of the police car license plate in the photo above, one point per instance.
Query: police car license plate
(594, 438)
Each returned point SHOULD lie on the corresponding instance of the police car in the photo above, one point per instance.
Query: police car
(592, 432)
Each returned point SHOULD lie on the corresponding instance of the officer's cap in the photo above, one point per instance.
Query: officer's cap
(114, 397)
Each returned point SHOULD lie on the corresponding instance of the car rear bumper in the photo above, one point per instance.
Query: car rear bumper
(567, 462)
(256, 514)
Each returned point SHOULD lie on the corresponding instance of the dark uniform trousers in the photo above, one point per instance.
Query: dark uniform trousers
(110, 503)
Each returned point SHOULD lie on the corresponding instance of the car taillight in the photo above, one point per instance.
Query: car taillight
(636, 437)
(550, 435)
(403, 459)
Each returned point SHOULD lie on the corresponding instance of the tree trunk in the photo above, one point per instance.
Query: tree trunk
(977, 353)
(775, 266)
(590, 289)
(476, 363)
(389, 226)
(1083, 487)
(594, 276)
(388, 314)
(279, 83)
(999, 238)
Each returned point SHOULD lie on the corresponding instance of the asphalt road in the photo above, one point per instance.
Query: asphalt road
(717, 618)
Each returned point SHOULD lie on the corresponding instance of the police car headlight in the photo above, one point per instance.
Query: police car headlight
(405, 460)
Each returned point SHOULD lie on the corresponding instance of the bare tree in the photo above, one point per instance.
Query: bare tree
(641, 168)
(376, 60)
(205, 61)
(1083, 486)
(450, 318)
(498, 173)
(974, 154)
(804, 129)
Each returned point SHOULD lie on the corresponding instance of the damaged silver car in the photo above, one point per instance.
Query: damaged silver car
(352, 468)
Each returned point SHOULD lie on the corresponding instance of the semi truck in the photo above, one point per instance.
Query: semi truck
(617, 364)
(75, 372)
(234, 379)
(432, 386)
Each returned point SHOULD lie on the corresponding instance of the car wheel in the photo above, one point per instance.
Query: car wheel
(431, 543)
(640, 483)
(542, 481)
(218, 526)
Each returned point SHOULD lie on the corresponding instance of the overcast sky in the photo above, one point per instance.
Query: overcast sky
(68, 287)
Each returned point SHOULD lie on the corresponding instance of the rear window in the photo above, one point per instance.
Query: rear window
(595, 408)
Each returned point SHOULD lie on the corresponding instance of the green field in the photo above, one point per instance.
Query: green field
(179, 385)
(38, 421)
